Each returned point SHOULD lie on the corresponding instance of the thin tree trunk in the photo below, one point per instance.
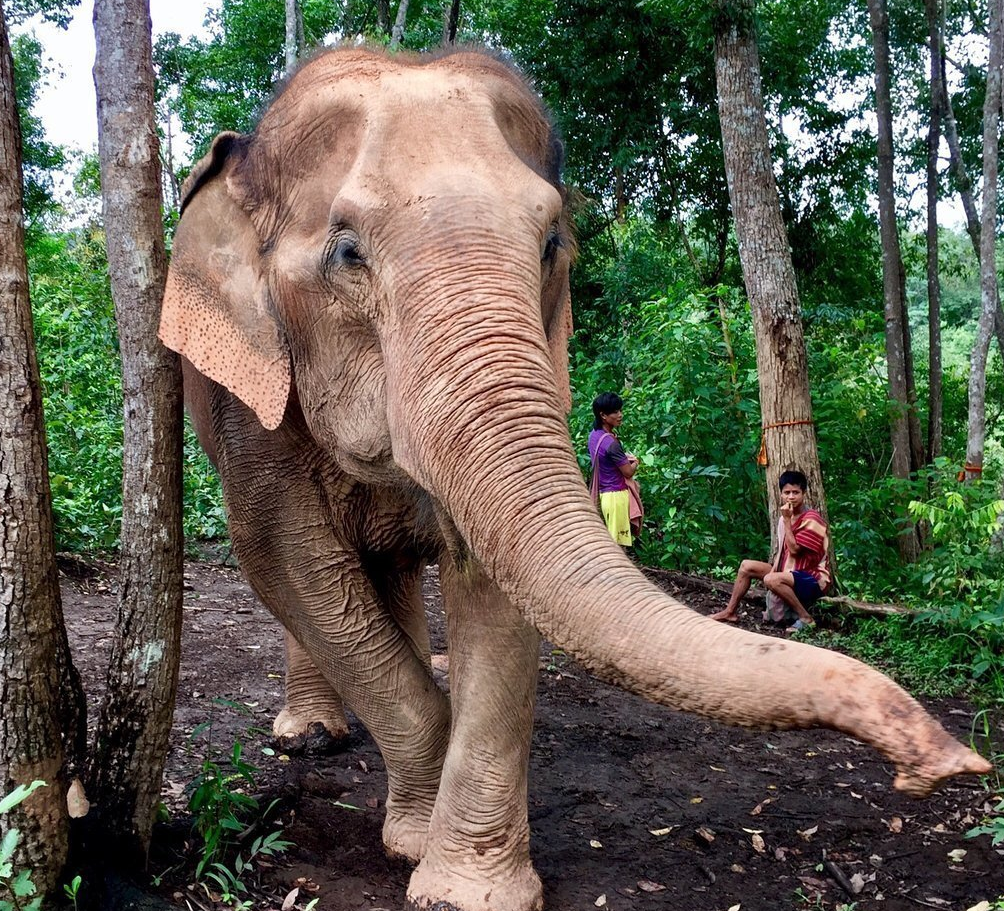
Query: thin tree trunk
(966, 192)
(397, 33)
(383, 16)
(135, 720)
(451, 21)
(786, 409)
(42, 703)
(892, 270)
(292, 48)
(934, 400)
(988, 242)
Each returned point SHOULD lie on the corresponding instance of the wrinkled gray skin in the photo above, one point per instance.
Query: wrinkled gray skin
(373, 291)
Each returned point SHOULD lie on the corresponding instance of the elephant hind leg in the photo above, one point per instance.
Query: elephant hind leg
(313, 718)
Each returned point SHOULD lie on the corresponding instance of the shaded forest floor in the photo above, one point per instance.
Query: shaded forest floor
(631, 805)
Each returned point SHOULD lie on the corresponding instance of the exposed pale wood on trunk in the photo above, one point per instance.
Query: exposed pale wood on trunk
(41, 703)
(988, 246)
(135, 722)
(765, 255)
(896, 337)
(934, 404)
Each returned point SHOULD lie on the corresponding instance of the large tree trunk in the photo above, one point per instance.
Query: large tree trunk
(451, 21)
(786, 408)
(896, 339)
(934, 400)
(988, 243)
(142, 678)
(965, 186)
(42, 703)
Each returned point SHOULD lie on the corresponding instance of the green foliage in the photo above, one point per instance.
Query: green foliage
(77, 344)
(72, 889)
(226, 816)
(40, 158)
(17, 891)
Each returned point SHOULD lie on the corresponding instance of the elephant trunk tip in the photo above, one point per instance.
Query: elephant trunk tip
(925, 773)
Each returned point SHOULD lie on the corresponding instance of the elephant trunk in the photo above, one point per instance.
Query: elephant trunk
(485, 434)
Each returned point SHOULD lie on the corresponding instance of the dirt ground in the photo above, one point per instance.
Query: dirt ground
(632, 806)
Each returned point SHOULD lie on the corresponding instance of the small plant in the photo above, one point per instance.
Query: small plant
(226, 816)
(71, 889)
(982, 736)
(18, 886)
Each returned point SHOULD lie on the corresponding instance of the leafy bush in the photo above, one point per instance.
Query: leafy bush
(16, 888)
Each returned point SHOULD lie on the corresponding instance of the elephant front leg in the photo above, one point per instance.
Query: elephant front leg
(313, 717)
(478, 857)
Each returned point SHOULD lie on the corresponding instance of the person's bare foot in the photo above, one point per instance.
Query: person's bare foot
(725, 617)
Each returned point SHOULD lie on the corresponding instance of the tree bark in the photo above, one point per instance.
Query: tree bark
(451, 22)
(896, 338)
(135, 721)
(293, 45)
(965, 185)
(397, 32)
(934, 399)
(785, 405)
(988, 242)
(383, 16)
(43, 708)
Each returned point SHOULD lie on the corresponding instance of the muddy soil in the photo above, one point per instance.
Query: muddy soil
(632, 806)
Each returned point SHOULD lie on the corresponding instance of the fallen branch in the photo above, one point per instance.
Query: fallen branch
(840, 602)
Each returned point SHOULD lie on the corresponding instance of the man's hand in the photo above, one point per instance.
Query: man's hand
(787, 511)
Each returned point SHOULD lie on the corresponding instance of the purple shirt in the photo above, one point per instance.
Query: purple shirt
(610, 455)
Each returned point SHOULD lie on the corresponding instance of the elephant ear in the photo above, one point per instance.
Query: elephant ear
(217, 310)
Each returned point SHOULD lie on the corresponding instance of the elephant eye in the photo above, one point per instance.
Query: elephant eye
(343, 251)
(552, 244)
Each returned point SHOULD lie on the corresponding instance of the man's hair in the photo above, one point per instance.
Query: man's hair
(605, 403)
(793, 477)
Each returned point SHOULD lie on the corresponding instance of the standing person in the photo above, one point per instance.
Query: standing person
(800, 572)
(613, 468)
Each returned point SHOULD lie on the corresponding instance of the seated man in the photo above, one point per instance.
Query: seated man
(800, 573)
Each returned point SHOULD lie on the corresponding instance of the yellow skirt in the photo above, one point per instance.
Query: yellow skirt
(616, 508)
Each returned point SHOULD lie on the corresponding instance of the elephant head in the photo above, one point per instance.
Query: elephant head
(389, 253)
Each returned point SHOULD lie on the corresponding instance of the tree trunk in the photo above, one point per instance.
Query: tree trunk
(451, 22)
(136, 716)
(786, 409)
(42, 703)
(966, 192)
(892, 270)
(397, 33)
(934, 401)
(383, 16)
(292, 45)
(988, 242)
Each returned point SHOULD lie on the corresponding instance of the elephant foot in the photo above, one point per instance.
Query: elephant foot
(405, 834)
(510, 887)
(314, 733)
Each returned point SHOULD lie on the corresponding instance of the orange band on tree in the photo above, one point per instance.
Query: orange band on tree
(761, 458)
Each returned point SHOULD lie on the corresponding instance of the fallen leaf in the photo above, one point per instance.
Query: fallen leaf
(758, 809)
(290, 899)
(697, 800)
(956, 856)
(780, 853)
(658, 832)
(646, 885)
(735, 908)
(77, 804)
(858, 882)
(715, 768)
(895, 824)
(593, 843)
(758, 844)
(808, 833)
(753, 831)
(737, 868)
(372, 802)
(363, 766)
(772, 787)
(705, 834)
(982, 906)
(601, 901)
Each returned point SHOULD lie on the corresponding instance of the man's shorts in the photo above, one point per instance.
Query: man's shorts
(807, 589)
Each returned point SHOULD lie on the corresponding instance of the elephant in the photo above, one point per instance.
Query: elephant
(370, 293)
